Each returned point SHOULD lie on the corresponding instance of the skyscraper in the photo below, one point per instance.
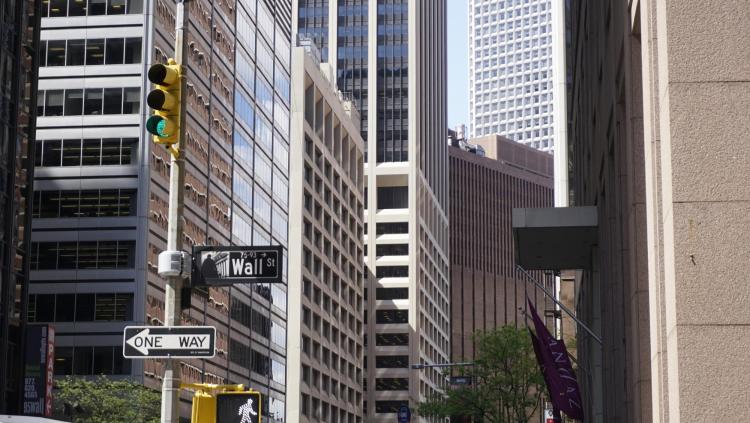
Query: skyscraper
(19, 41)
(100, 215)
(390, 57)
(511, 70)
(326, 254)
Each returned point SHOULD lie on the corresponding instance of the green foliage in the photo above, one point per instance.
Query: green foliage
(506, 381)
(103, 400)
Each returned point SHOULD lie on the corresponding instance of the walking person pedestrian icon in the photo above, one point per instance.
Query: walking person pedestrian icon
(247, 410)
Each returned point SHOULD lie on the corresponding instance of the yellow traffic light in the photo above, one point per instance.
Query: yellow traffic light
(204, 408)
(165, 98)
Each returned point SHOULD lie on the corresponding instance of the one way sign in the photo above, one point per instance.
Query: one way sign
(169, 342)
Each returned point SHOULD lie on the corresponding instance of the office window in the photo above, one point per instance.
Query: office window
(82, 255)
(264, 95)
(84, 360)
(391, 228)
(131, 101)
(392, 249)
(56, 53)
(73, 102)
(50, 308)
(392, 384)
(393, 197)
(133, 50)
(94, 52)
(93, 101)
(54, 101)
(76, 52)
(392, 361)
(391, 339)
(115, 50)
(392, 293)
(389, 317)
(115, 7)
(392, 271)
(112, 101)
(97, 7)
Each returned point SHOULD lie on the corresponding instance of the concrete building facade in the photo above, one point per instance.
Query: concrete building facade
(325, 358)
(658, 142)
(390, 56)
(19, 43)
(100, 216)
(511, 82)
(487, 291)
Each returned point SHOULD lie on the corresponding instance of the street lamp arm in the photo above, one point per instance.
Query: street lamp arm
(423, 365)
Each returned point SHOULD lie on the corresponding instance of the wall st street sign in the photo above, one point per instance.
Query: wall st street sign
(169, 342)
(222, 266)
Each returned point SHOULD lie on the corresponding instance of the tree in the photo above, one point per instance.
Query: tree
(506, 381)
(103, 400)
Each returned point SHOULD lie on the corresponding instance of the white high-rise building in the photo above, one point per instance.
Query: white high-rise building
(511, 70)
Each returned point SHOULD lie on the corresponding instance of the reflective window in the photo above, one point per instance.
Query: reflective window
(391, 361)
(387, 317)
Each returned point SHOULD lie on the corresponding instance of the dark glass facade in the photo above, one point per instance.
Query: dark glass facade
(313, 23)
(351, 56)
(393, 84)
(18, 44)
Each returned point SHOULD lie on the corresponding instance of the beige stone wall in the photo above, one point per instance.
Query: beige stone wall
(697, 64)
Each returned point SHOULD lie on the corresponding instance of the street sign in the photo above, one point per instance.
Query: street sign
(222, 266)
(404, 414)
(169, 342)
(460, 380)
(238, 407)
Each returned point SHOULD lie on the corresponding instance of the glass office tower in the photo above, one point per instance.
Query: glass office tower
(19, 41)
(101, 185)
(390, 55)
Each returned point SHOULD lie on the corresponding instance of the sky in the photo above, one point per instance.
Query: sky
(458, 63)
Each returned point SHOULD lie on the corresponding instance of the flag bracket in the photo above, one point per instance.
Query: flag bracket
(562, 307)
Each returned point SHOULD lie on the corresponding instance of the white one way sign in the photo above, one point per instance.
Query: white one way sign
(169, 342)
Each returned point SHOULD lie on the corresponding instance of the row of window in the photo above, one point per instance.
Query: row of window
(86, 152)
(81, 307)
(258, 323)
(61, 8)
(392, 293)
(389, 317)
(258, 362)
(84, 361)
(85, 203)
(90, 52)
(392, 271)
(82, 255)
(91, 101)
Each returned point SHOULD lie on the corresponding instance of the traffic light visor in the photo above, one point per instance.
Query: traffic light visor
(164, 75)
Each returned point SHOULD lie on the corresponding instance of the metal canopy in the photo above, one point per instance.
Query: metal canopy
(555, 238)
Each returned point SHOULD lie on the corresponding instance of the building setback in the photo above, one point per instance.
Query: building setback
(19, 42)
(326, 254)
(391, 58)
(511, 70)
(658, 107)
(101, 184)
(487, 291)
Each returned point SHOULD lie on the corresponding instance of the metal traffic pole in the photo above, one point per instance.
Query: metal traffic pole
(170, 395)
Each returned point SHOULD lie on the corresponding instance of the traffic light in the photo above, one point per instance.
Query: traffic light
(165, 98)
(204, 408)
(238, 407)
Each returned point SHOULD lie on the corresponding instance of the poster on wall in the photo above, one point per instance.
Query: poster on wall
(38, 370)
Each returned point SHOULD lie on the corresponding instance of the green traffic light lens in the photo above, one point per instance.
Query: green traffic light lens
(157, 125)
(161, 127)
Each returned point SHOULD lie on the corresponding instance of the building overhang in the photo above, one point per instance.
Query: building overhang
(557, 238)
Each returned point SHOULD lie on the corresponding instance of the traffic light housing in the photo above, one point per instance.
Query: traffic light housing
(165, 100)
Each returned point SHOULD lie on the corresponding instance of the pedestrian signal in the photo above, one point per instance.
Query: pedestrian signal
(238, 407)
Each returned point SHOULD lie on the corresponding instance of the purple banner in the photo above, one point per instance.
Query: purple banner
(557, 369)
